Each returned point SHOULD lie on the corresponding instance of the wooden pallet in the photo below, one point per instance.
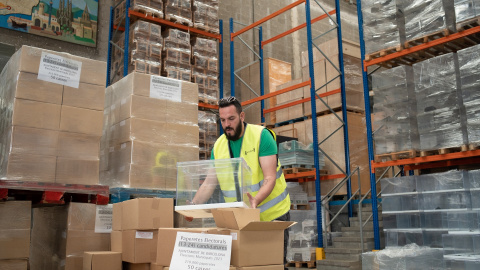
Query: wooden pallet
(397, 155)
(309, 264)
(443, 151)
(427, 38)
(470, 23)
(383, 52)
(292, 170)
(178, 20)
(148, 12)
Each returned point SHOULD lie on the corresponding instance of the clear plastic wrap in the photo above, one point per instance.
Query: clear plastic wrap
(301, 247)
(461, 251)
(441, 122)
(467, 221)
(296, 154)
(146, 136)
(205, 69)
(15, 229)
(466, 9)
(177, 55)
(423, 18)
(179, 11)
(208, 132)
(410, 257)
(205, 15)
(474, 177)
(14, 264)
(395, 122)
(223, 182)
(383, 24)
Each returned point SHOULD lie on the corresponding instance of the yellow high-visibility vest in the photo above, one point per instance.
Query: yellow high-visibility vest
(278, 202)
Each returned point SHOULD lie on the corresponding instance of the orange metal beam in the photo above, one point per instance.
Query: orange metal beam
(426, 159)
(312, 174)
(286, 33)
(442, 164)
(322, 95)
(271, 16)
(172, 24)
(119, 28)
(207, 106)
(276, 93)
(422, 46)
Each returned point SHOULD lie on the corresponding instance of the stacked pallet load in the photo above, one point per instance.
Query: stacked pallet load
(466, 13)
(177, 53)
(15, 234)
(207, 123)
(152, 8)
(441, 115)
(427, 19)
(296, 154)
(205, 69)
(407, 257)
(395, 106)
(51, 124)
(469, 72)
(384, 26)
(303, 238)
(145, 50)
(151, 123)
(179, 11)
(205, 15)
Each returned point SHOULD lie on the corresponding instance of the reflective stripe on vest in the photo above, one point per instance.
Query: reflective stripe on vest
(278, 202)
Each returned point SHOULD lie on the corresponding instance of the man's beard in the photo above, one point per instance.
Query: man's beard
(237, 131)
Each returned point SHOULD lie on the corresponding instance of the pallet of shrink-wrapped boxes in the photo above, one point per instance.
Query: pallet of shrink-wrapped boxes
(177, 53)
(51, 123)
(150, 124)
(467, 14)
(205, 69)
(205, 15)
(207, 123)
(145, 50)
(179, 11)
(15, 234)
(152, 8)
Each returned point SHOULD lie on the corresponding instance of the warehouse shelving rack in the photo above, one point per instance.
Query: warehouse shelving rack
(409, 56)
(129, 13)
(347, 173)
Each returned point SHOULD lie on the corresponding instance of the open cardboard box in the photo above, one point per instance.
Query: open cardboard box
(255, 242)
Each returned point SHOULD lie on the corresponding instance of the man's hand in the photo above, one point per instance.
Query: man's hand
(253, 201)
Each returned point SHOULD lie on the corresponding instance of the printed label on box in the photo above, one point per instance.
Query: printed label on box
(201, 251)
(234, 235)
(103, 218)
(144, 235)
(165, 88)
(60, 70)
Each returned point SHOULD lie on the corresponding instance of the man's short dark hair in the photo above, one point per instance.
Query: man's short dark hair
(228, 101)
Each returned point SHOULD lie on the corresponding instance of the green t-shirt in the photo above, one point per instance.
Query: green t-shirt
(268, 146)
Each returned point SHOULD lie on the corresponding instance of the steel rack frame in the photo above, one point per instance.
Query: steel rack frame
(346, 173)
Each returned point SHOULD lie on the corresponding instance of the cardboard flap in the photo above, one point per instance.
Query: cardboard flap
(268, 225)
(235, 218)
(196, 213)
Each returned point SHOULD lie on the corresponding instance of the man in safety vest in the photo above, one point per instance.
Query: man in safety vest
(258, 147)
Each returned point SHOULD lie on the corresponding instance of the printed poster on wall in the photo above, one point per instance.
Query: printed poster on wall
(68, 20)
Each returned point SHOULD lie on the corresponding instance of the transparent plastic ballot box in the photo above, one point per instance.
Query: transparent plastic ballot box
(212, 184)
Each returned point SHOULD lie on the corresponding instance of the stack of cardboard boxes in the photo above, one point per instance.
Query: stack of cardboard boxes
(205, 69)
(61, 235)
(15, 235)
(205, 15)
(151, 123)
(177, 55)
(207, 123)
(179, 11)
(52, 106)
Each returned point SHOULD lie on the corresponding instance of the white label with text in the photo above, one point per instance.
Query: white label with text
(165, 88)
(60, 70)
(103, 219)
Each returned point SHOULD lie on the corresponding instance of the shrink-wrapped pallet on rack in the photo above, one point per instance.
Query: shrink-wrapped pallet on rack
(466, 11)
(383, 25)
(395, 106)
(428, 19)
(205, 15)
(152, 8)
(205, 69)
(177, 54)
(179, 11)
(152, 123)
(145, 50)
(52, 117)
(441, 117)
(469, 60)
(207, 123)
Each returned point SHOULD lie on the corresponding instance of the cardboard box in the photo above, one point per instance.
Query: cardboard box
(77, 171)
(78, 145)
(255, 243)
(141, 176)
(292, 112)
(139, 246)
(28, 59)
(14, 264)
(87, 96)
(31, 88)
(320, 87)
(265, 267)
(28, 167)
(25, 140)
(159, 267)
(81, 120)
(147, 214)
(102, 260)
(15, 230)
(330, 47)
(117, 217)
(116, 241)
(136, 266)
(35, 114)
(167, 237)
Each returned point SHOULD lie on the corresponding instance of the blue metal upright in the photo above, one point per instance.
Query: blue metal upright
(109, 56)
(127, 39)
(368, 120)
(262, 80)
(220, 60)
(344, 107)
(232, 60)
(316, 158)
